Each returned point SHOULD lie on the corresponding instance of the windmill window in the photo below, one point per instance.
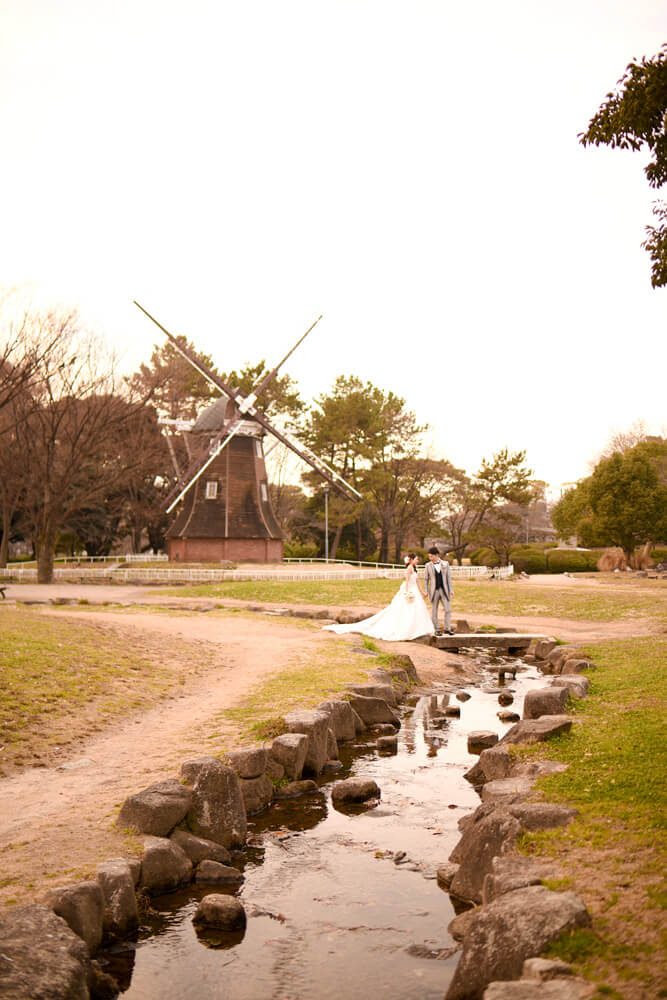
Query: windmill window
(211, 489)
(264, 492)
(258, 448)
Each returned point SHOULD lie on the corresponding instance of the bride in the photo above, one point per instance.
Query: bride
(405, 618)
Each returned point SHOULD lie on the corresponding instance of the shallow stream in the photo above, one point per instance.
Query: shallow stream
(335, 910)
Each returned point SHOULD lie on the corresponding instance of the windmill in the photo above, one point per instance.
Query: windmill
(226, 510)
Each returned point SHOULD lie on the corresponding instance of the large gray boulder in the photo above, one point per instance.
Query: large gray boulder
(116, 879)
(537, 730)
(199, 849)
(542, 815)
(295, 788)
(557, 657)
(512, 928)
(507, 789)
(372, 711)
(543, 647)
(156, 810)
(355, 790)
(82, 908)
(577, 684)
(545, 701)
(486, 837)
(274, 771)
(289, 750)
(514, 871)
(213, 873)
(164, 866)
(403, 662)
(248, 762)
(577, 665)
(481, 739)
(224, 912)
(42, 958)
(217, 811)
(383, 691)
(341, 719)
(314, 725)
(493, 764)
(257, 793)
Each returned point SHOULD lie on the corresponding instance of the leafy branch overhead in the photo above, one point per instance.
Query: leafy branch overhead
(634, 116)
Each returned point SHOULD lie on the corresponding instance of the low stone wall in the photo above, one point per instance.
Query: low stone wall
(191, 827)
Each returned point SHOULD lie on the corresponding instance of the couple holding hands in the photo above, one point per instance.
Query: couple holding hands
(406, 617)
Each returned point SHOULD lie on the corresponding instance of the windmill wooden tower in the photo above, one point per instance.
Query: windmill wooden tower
(226, 510)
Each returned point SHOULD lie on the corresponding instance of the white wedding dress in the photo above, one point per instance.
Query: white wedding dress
(405, 618)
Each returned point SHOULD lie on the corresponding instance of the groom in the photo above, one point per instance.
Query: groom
(439, 588)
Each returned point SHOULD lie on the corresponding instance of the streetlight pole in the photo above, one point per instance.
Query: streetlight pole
(326, 524)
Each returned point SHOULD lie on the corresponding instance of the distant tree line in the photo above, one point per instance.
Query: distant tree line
(85, 462)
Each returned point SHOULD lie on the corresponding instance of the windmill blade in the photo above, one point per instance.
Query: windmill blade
(170, 446)
(186, 353)
(247, 405)
(334, 479)
(220, 442)
(197, 465)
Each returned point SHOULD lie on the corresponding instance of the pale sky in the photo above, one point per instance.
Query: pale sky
(411, 170)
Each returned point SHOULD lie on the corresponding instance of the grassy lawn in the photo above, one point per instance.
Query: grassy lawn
(319, 676)
(60, 680)
(615, 853)
(594, 603)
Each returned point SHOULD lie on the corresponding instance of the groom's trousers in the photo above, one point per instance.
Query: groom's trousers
(438, 597)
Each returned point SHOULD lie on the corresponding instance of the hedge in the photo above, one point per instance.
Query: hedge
(300, 550)
(484, 557)
(567, 561)
(528, 561)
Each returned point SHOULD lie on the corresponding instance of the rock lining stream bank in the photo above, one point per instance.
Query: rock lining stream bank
(329, 889)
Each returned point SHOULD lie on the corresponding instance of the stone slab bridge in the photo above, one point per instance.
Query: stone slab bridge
(513, 643)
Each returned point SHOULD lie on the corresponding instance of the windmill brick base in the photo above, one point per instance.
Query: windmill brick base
(259, 550)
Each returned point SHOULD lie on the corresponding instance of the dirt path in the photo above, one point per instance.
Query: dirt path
(56, 824)
(568, 629)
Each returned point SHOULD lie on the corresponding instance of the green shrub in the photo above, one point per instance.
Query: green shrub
(592, 557)
(659, 554)
(566, 561)
(528, 560)
(300, 550)
(484, 557)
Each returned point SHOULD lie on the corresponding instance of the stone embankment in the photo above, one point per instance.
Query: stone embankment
(514, 916)
(191, 825)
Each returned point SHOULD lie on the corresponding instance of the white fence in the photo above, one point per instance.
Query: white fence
(157, 574)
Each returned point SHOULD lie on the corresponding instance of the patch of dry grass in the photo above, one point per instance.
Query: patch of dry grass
(60, 680)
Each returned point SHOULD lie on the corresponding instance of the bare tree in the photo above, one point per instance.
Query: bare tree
(469, 502)
(11, 482)
(27, 351)
(69, 430)
(623, 440)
